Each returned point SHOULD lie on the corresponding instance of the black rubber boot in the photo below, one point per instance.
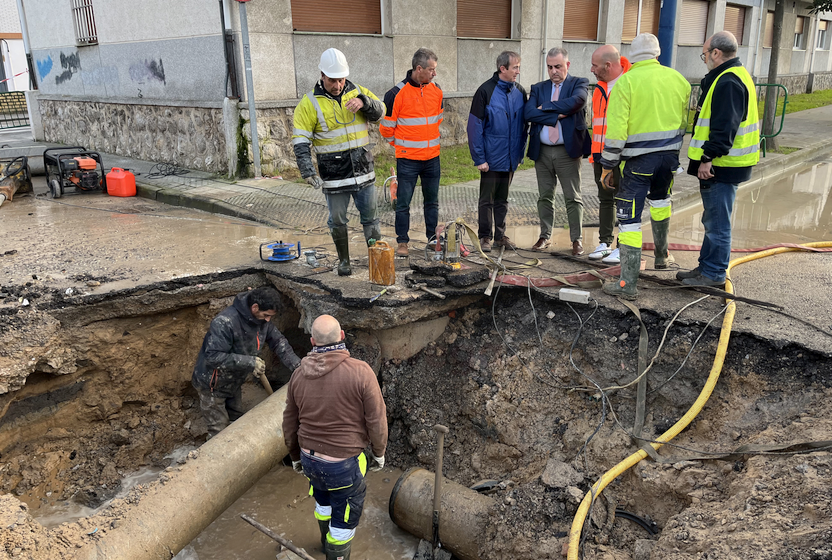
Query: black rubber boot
(324, 527)
(340, 236)
(663, 256)
(625, 286)
(338, 551)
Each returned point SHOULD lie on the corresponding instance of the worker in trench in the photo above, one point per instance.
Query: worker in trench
(334, 410)
(229, 354)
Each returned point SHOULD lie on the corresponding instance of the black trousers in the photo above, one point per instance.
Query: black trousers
(493, 205)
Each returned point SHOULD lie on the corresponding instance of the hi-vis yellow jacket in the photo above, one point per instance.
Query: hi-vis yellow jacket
(340, 137)
(647, 113)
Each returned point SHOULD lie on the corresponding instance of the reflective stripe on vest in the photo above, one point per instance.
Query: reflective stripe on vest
(745, 150)
(418, 113)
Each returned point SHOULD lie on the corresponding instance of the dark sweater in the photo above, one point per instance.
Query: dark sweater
(729, 107)
(334, 407)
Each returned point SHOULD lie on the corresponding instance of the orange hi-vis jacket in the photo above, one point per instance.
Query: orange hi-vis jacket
(413, 125)
(599, 113)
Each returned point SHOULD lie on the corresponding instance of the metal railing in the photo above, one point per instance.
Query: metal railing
(13, 112)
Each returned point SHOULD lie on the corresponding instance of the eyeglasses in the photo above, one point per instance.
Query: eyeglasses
(702, 56)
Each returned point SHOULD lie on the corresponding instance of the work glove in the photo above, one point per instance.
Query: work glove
(315, 181)
(259, 367)
(379, 462)
(297, 466)
(606, 179)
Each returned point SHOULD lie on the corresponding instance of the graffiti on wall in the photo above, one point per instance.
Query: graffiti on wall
(71, 65)
(44, 67)
(148, 71)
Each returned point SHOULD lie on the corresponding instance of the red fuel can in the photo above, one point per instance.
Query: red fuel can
(121, 182)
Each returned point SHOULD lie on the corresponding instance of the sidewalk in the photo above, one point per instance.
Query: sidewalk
(280, 203)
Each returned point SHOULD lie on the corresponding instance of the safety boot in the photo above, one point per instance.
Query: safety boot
(625, 286)
(323, 525)
(663, 256)
(341, 238)
(338, 551)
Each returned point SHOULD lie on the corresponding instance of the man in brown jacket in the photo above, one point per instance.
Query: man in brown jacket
(334, 409)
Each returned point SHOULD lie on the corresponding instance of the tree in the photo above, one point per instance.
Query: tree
(774, 61)
(820, 6)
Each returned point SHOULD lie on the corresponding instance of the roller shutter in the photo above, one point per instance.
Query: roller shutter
(580, 20)
(694, 22)
(489, 19)
(735, 21)
(337, 16)
(649, 18)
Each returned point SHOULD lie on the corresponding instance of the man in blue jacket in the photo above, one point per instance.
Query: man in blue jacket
(556, 110)
(229, 354)
(497, 138)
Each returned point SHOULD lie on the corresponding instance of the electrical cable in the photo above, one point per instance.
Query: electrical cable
(166, 169)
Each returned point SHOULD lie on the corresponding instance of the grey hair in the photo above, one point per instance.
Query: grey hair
(558, 51)
(504, 59)
(726, 42)
(421, 57)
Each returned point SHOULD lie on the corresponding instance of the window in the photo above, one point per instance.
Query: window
(645, 21)
(84, 19)
(695, 22)
(768, 38)
(580, 20)
(735, 21)
(822, 27)
(337, 16)
(798, 32)
(489, 19)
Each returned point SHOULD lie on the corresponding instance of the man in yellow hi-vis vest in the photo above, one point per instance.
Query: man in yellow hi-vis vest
(646, 121)
(334, 119)
(724, 148)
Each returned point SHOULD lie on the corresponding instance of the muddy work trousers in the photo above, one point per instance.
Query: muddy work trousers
(339, 490)
(219, 412)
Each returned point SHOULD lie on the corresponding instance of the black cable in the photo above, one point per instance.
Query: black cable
(166, 169)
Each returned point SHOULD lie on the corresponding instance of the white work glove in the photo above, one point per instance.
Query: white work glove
(297, 466)
(379, 461)
(259, 367)
(315, 181)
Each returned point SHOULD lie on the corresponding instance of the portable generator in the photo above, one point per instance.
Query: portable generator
(73, 166)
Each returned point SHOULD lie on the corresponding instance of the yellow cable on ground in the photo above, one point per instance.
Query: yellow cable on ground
(716, 369)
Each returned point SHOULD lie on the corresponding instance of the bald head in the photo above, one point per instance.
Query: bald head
(606, 63)
(326, 330)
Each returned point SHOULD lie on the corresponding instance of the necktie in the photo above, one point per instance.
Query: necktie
(553, 130)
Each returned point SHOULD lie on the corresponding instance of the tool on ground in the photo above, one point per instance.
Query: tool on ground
(437, 486)
(494, 273)
(281, 252)
(268, 532)
(381, 259)
(15, 177)
(311, 257)
(73, 166)
(446, 246)
(425, 289)
(121, 182)
(388, 289)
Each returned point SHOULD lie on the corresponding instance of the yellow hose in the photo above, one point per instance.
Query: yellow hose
(716, 369)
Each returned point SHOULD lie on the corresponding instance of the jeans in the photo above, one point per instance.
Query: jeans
(407, 171)
(493, 204)
(365, 202)
(717, 203)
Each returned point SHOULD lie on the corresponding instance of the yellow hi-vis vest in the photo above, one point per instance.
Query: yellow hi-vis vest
(745, 151)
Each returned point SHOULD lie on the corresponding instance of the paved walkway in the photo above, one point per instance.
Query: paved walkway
(280, 203)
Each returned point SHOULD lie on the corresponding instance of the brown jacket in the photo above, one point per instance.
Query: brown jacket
(334, 406)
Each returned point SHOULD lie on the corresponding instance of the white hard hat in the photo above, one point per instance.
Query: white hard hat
(334, 64)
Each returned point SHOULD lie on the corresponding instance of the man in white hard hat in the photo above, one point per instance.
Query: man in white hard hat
(334, 118)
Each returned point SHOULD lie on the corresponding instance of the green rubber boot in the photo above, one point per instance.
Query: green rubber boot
(324, 527)
(338, 551)
(663, 256)
(625, 286)
(340, 236)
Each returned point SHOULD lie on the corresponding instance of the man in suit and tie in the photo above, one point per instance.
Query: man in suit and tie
(556, 110)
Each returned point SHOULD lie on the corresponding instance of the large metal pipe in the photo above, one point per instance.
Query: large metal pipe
(172, 514)
(464, 512)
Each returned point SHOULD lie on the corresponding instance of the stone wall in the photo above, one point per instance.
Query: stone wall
(274, 132)
(191, 137)
(821, 80)
(795, 83)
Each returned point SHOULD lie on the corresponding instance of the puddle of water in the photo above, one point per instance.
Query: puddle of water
(795, 209)
(53, 514)
(281, 502)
